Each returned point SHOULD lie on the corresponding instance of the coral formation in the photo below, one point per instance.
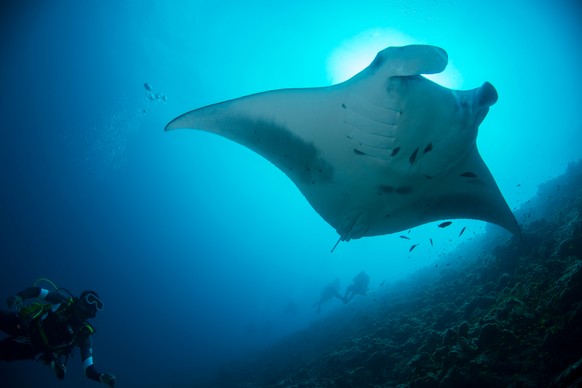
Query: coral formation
(509, 316)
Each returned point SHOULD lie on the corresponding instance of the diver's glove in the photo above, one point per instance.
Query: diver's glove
(107, 379)
(58, 367)
(14, 302)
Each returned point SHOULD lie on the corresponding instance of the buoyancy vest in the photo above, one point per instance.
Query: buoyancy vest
(51, 326)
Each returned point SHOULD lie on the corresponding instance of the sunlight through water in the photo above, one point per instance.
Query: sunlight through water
(354, 54)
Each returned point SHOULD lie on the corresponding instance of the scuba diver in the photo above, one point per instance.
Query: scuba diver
(331, 290)
(49, 331)
(359, 286)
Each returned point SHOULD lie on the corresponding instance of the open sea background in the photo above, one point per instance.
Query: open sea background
(201, 250)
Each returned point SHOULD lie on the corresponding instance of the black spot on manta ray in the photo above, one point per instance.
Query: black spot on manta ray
(412, 158)
(358, 152)
(403, 190)
(344, 106)
(469, 174)
(386, 189)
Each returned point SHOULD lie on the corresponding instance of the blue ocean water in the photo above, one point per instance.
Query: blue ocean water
(202, 250)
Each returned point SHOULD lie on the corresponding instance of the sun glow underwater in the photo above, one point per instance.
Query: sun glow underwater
(356, 53)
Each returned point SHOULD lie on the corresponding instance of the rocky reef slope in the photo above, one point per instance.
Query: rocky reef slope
(510, 315)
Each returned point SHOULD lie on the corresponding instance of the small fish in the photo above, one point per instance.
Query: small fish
(405, 237)
(428, 148)
(412, 247)
(413, 156)
(431, 242)
(445, 224)
(462, 230)
(395, 151)
(469, 174)
(147, 87)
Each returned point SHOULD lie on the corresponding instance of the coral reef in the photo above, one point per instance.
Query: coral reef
(511, 315)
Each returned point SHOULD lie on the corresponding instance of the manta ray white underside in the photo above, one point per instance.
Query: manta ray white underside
(385, 151)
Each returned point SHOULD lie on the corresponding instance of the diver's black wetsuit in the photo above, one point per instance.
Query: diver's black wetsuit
(359, 286)
(24, 342)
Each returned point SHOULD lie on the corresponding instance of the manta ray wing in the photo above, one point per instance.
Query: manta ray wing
(471, 187)
(379, 153)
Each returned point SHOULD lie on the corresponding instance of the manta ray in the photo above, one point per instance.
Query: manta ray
(382, 152)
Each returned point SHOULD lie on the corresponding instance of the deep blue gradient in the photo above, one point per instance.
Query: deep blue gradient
(197, 245)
